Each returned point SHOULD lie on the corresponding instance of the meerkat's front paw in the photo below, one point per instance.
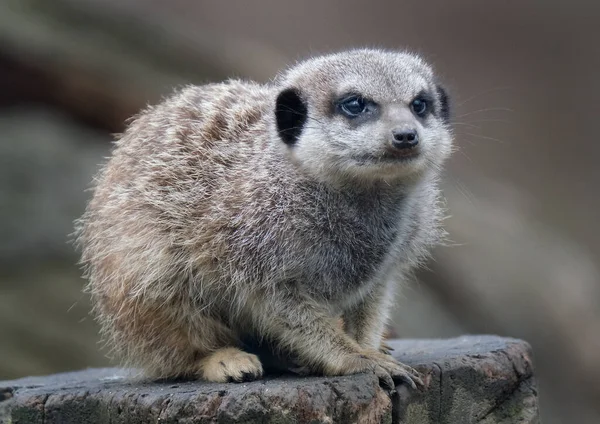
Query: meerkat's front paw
(231, 365)
(388, 370)
(399, 372)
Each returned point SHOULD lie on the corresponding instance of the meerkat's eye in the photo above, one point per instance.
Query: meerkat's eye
(353, 105)
(419, 106)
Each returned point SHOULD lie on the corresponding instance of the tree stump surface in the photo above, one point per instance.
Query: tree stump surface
(471, 379)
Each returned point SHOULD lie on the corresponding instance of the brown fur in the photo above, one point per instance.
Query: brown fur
(207, 234)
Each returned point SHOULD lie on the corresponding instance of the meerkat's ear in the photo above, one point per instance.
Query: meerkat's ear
(444, 103)
(290, 114)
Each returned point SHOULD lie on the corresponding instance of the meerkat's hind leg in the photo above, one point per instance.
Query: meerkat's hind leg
(230, 364)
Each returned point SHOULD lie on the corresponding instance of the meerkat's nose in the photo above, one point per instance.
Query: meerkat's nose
(405, 138)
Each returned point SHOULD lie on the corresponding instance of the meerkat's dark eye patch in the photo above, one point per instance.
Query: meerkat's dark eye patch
(354, 105)
(290, 114)
(444, 103)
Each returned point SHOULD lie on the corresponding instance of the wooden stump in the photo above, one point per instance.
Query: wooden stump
(473, 379)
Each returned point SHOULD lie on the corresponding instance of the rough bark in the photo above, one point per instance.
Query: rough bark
(474, 379)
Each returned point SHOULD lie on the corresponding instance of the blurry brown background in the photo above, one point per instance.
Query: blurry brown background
(522, 189)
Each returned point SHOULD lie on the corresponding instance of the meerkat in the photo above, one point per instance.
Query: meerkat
(237, 214)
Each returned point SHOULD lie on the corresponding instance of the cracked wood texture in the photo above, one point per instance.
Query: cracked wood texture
(472, 379)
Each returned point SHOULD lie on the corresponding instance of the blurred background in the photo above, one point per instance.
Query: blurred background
(522, 189)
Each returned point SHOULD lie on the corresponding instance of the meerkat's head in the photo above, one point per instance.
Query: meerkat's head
(363, 114)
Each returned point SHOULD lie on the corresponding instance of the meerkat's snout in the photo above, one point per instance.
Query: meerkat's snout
(405, 138)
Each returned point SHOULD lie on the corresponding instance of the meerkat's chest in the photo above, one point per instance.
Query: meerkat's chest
(346, 246)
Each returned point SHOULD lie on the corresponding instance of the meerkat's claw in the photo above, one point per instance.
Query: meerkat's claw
(410, 376)
(408, 379)
(231, 365)
(396, 371)
(385, 379)
(386, 349)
